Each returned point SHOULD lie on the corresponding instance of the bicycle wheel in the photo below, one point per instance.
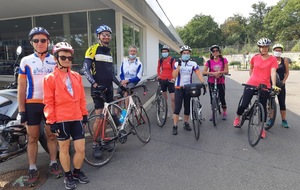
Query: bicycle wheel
(272, 111)
(141, 124)
(214, 109)
(107, 145)
(91, 113)
(161, 110)
(256, 124)
(195, 118)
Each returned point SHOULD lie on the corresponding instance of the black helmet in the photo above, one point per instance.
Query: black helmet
(38, 30)
(214, 46)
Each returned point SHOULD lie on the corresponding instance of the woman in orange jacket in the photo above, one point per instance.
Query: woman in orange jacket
(65, 111)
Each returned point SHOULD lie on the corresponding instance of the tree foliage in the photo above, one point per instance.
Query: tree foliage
(279, 23)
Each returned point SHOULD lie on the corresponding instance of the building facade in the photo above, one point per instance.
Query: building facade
(134, 22)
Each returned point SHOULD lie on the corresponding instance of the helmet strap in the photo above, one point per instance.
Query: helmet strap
(41, 53)
(60, 66)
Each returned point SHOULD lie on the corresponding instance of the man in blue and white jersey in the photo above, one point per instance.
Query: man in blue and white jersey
(33, 69)
(131, 69)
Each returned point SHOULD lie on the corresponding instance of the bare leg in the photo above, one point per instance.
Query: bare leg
(64, 155)
(78, 158)
(51, 142)
(33, 133)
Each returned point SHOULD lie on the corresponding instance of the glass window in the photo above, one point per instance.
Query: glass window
(106, 17)
(132, 35)
(71, 28)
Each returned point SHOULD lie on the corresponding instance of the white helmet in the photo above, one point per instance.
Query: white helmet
(264, 42)
(62, 46)
(165, 47)
(185, 48)
(278, 46)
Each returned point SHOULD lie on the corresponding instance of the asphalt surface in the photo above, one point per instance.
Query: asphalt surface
(220, 159)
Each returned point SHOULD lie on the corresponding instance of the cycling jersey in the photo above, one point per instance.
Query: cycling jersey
(215, 67)
(262, 70)
(186, 72)
(34, 70)
(165, 69)
(131, 70)
(98, 65)
(60, 104)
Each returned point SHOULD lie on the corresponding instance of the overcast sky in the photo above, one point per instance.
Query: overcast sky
(180, 12)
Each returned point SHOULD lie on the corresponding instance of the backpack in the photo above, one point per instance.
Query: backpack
(171, 62)
(222, 59)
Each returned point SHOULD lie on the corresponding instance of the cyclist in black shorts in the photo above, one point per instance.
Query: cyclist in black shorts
(99, 70)
(165, 68)
(33, 68)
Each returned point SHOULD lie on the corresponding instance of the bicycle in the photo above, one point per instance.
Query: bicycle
(161, 105)
(255, 114)
(215, 100)
(271, 109)
(107, 132)
(194, 90)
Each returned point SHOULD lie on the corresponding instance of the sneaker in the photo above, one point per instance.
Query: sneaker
(174, 131)
(168, 116)
(32, 177)
(97, 151)
(224, 116)
(55, 171)
(187, 126)
(269, 122)
(285, 124)
(70, 182)
(108, 147)
(263, 134)
(236, 122)
(80, 177)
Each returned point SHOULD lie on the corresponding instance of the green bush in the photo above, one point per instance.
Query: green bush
(295, 66)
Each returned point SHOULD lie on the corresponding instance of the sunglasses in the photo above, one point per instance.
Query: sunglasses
(63, 58)
(39, 40)
(105, 35)
(215, 51)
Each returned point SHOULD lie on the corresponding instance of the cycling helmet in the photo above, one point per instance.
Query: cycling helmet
(38, 30)
(62, 46)
(165, 47)
(264, 42)
(278, 46)
(103, 28)
(185, 48)
(214, 46)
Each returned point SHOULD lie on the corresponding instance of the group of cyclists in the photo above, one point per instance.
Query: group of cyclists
(48, 89)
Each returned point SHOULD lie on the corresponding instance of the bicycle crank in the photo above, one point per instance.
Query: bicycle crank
(122, 136)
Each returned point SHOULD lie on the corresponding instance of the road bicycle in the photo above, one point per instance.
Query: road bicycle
(104, 130)
(271, 109)
(215, 100)
(194, 90)
(255, 114)
(161, 104)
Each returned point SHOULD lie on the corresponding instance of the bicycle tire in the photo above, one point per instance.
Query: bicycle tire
(272, 111)
(91, 113)
(142, 127)
(256, 124)
(110, 140)
(195, 118)
(214, 109)
(161, 110)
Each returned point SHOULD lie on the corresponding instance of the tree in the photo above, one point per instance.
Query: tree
(201, 31)
(234, 30)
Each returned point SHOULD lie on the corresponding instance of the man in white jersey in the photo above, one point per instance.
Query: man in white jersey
(33, 68)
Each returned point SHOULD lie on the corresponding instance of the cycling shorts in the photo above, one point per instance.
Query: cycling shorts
(167, 85)
(35, 113)
(109, 97)
(69, 129)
